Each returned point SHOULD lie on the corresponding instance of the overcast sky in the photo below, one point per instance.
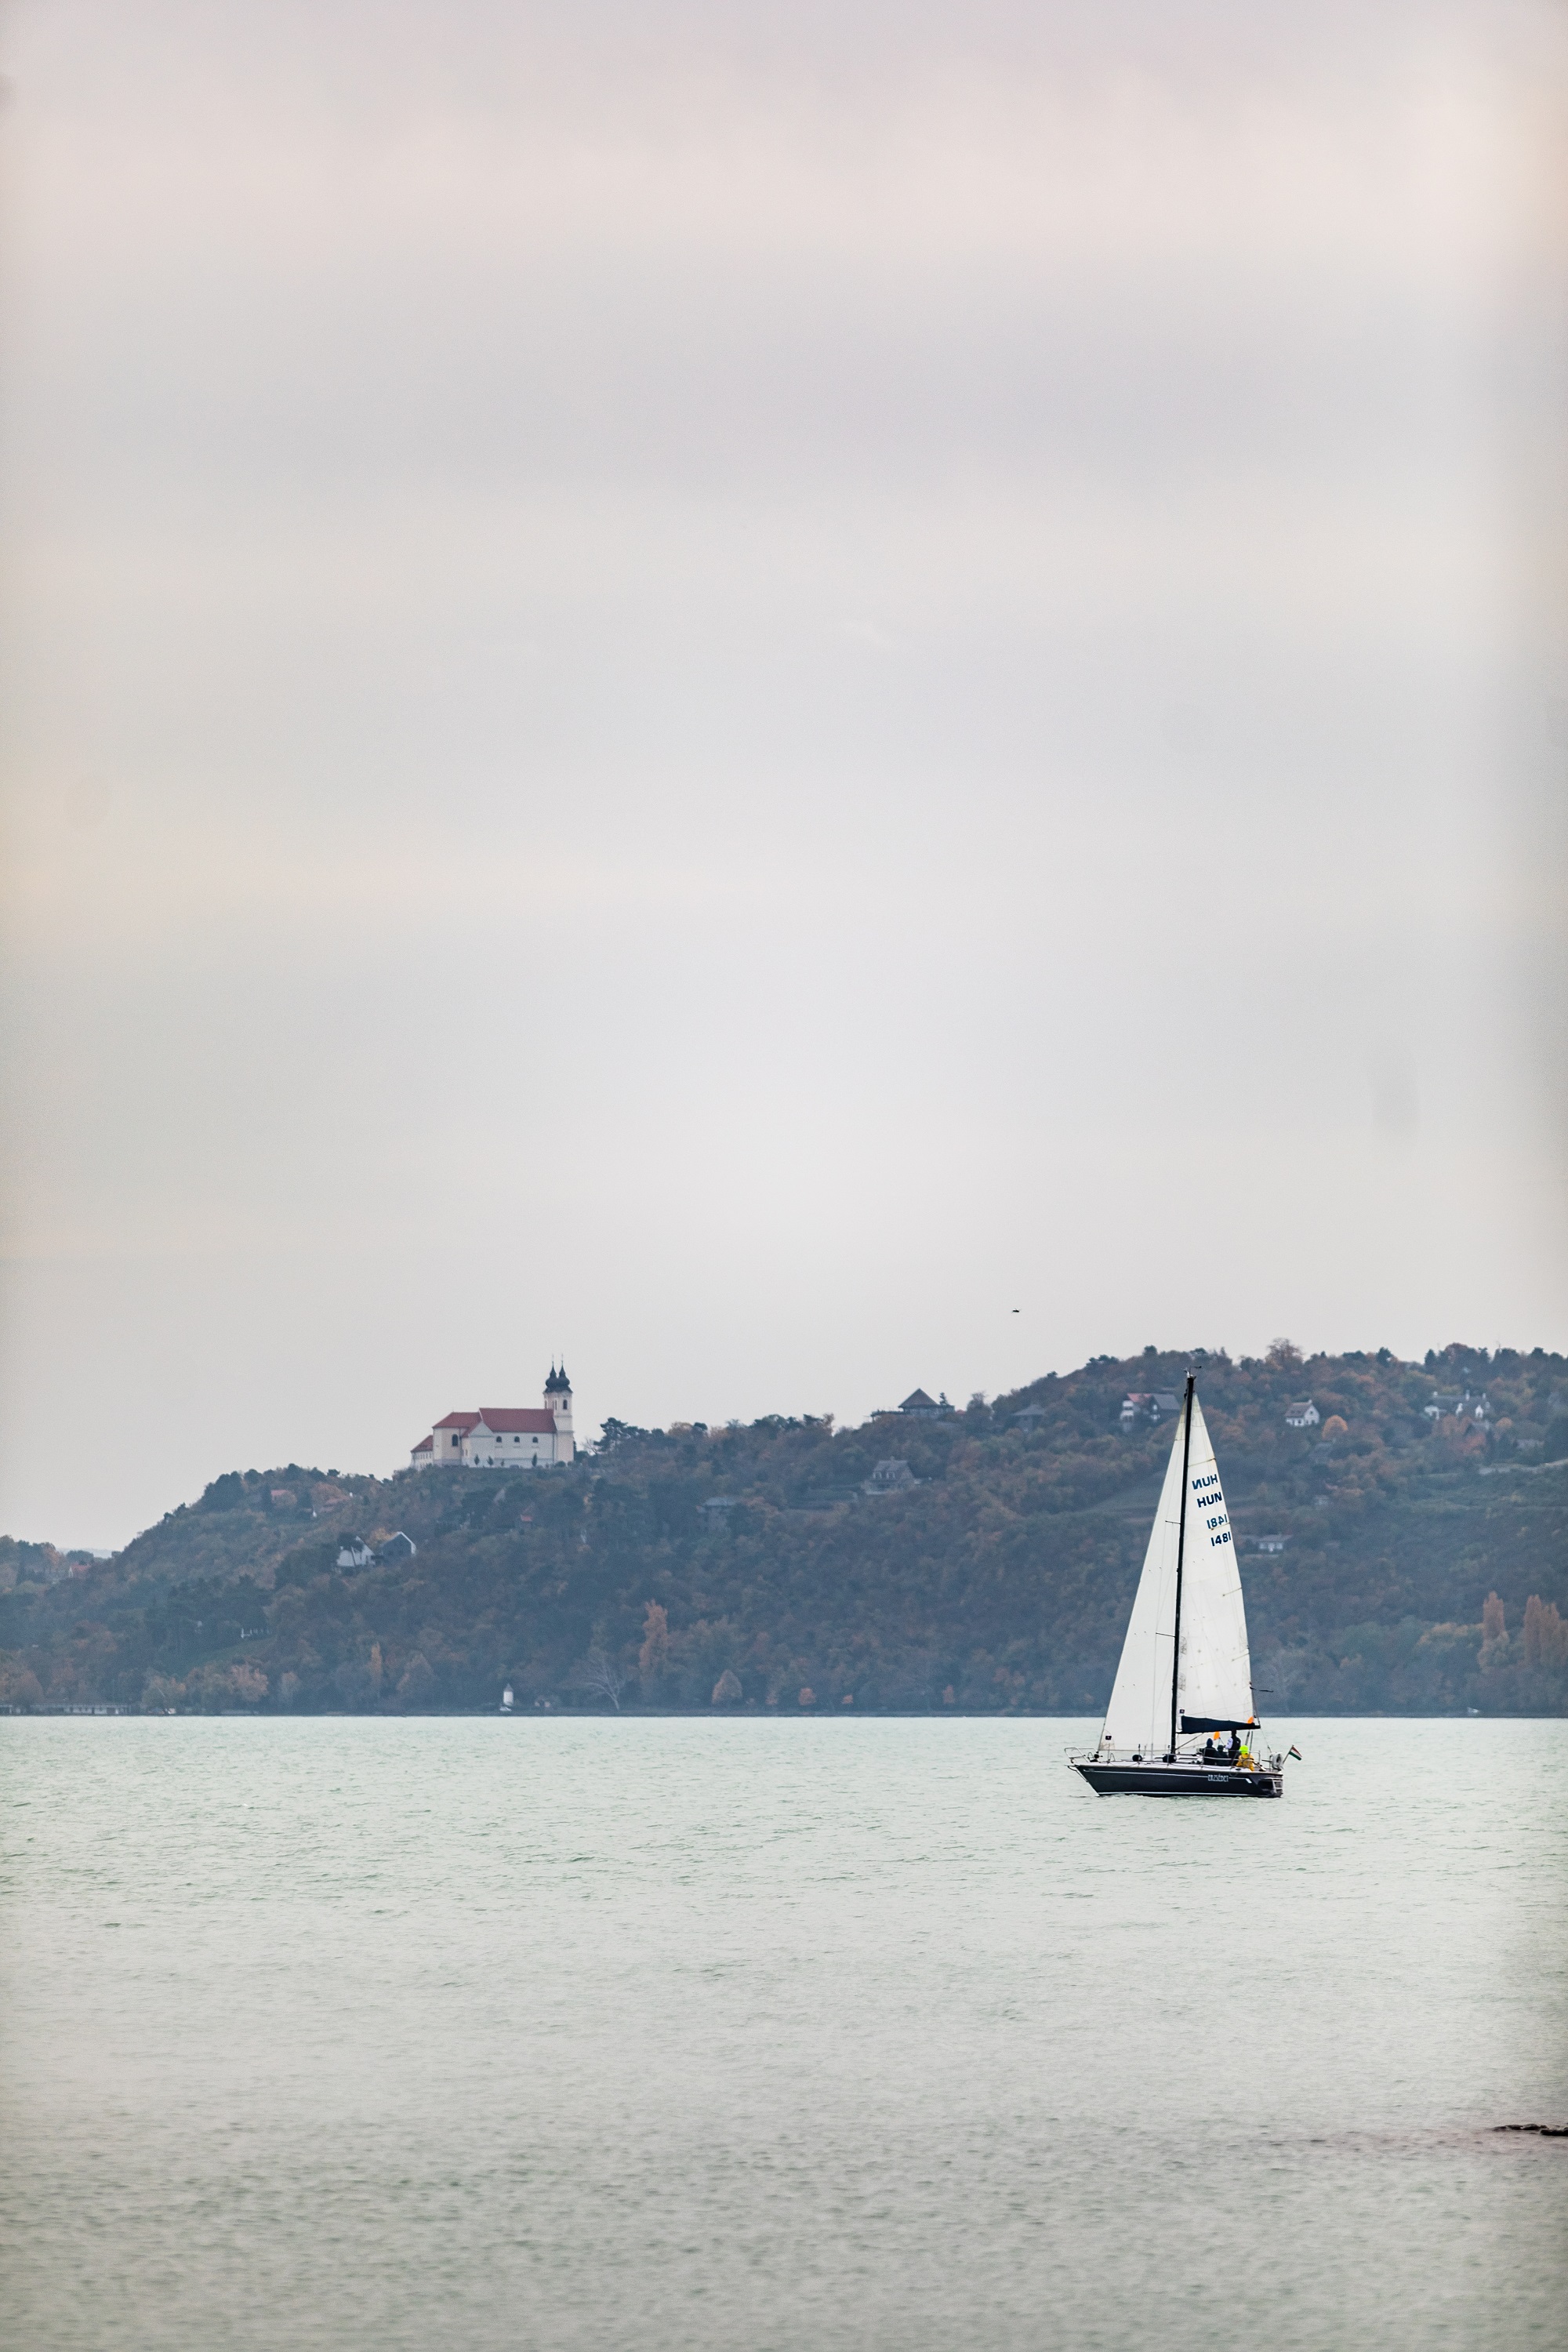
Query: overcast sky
(730, 688)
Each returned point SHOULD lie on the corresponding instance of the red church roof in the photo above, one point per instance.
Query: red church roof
(459, 1421)
(505, 1419)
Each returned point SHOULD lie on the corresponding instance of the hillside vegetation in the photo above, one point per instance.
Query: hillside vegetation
(1424, 1568)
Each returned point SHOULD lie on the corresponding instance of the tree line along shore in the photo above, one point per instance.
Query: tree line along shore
(1404, 1550)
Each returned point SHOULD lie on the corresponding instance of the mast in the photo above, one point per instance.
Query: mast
(1181, 1550)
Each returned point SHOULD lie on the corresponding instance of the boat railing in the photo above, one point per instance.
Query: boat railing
(1109, 1752)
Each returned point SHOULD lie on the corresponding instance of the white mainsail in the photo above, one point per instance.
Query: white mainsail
(1215, 1677)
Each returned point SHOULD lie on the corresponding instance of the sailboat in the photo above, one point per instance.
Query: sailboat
(1181, 1721)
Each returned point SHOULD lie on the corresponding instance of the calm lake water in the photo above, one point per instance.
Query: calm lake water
(794, 2034)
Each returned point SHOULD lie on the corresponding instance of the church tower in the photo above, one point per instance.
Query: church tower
(558, 1401)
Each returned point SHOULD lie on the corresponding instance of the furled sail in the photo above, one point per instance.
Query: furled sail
(1214, 1684)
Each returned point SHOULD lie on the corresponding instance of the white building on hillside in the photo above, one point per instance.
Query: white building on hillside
(1468, 1407)
(503, 1437)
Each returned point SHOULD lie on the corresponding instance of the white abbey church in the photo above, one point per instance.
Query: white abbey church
(503, 1436)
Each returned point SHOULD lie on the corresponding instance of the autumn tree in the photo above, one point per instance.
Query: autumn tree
(653, 1658)
(19, 1686)
(358, 1680)
(1545, 1633)
(416, 1683)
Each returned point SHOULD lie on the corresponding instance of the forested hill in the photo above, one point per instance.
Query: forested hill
(1414, 1562)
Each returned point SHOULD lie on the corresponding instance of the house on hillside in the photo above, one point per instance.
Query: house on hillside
(1303, 1415)
(1464, 1407)
(1148, 1405)
(890, 1478)
(924, 1407)
(1029, 1420)
(354, 1552)
(503, 1437)
(397, 1550)
(1270, 1543)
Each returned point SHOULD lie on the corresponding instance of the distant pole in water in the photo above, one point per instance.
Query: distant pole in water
(1181, 1552)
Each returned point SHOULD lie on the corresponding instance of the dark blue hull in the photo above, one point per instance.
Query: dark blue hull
(1151, 1778)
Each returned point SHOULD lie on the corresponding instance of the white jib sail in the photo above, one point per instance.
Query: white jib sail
(1216, 1667)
